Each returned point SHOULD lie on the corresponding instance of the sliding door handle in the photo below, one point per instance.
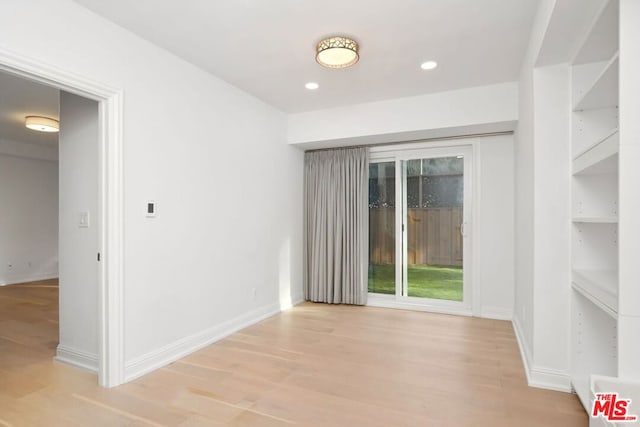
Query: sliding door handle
(462, 229)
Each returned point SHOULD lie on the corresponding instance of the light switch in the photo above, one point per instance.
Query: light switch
(83, 220)
(151, 208)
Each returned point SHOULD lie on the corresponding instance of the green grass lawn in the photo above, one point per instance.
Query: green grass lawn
(424, 281)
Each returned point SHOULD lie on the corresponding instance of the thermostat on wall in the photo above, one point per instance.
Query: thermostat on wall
(151, 209)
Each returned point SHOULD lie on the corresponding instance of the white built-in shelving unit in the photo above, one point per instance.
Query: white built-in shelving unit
(605, 190)
(595, 206)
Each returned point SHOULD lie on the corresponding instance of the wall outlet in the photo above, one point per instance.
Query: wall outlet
(254, 292)
(10, 264)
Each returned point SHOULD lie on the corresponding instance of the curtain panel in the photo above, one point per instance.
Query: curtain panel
(336, 221)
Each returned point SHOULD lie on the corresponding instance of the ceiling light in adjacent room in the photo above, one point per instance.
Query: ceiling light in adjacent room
(429, 65)
(312, 85)
(337, 52)
(42, 124)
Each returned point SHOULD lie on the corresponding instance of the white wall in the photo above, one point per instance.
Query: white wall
(543, 169)
(496, 218)
(228, 188)
(30, 151)
(28, 219)
(78, 161)
(466, 111)
(552, 222)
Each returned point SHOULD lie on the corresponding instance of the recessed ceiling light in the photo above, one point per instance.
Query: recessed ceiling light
(337, 52)
(429, 65)
(42, 124)
(312, 85)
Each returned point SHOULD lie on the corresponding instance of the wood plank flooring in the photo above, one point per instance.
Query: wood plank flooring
(314, 365)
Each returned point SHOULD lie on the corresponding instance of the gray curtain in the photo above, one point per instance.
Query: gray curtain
(336, 215)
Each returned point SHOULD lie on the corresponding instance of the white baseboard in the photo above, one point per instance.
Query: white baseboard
(77, 358)
(170, 353)
(550, 379)
(497, 313)
(29, 278)
(538, 376)
(391, 302)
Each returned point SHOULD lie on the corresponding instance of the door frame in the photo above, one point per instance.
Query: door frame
(471, 300)
(110, 202)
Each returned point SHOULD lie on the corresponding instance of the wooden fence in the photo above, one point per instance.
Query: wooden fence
(433, 236)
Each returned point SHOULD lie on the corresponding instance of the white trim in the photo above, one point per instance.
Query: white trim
(77, 358)
(390, 301)
(16, 280)
(497, 313)
(296, 300)
(111, 318)
(182, 347)
(550, 379)
(524, 348)
(538, 376)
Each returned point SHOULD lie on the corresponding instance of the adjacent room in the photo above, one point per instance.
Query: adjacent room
(362, 213)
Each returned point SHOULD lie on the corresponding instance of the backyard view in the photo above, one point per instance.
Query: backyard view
(434, 212)
(423, 281)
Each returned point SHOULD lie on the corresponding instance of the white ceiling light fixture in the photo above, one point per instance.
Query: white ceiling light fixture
(312, 85)
(337, 52)
(429, 65)
(42, 124)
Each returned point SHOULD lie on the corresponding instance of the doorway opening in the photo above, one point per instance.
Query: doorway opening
(109, 218)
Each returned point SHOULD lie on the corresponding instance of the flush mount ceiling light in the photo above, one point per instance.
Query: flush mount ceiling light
(42, 124)
(312, 85)
(429, 65)
(337, 52)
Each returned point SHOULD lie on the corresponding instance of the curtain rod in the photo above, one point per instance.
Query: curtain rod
(442, 138)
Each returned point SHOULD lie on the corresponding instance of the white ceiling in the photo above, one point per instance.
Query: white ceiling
(20, 98)
(267, 47)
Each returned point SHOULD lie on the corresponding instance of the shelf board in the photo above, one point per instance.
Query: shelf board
(597, 220)
(600, 157)
(600, 38)
(603, 92)
(600, 287)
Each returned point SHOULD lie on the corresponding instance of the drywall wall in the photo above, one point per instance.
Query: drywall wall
(225, 246)
(29, 151)
(496, 232)
(552, 219)
(28, 219)
(541, 308)
(460, 112)
(78, 161)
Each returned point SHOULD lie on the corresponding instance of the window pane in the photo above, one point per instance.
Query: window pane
(382, 233)
(434, 213)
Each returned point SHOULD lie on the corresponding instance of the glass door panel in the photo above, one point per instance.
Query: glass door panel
(433, 209)
(382, 228)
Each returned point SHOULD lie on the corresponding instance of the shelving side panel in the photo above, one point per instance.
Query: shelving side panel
(594, 345)
(595, 246)
(590, 126)
(595, 196)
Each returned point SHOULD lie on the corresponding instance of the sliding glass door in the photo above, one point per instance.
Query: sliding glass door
(418, 226)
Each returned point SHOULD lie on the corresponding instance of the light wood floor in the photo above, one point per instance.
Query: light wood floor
(315, 365)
